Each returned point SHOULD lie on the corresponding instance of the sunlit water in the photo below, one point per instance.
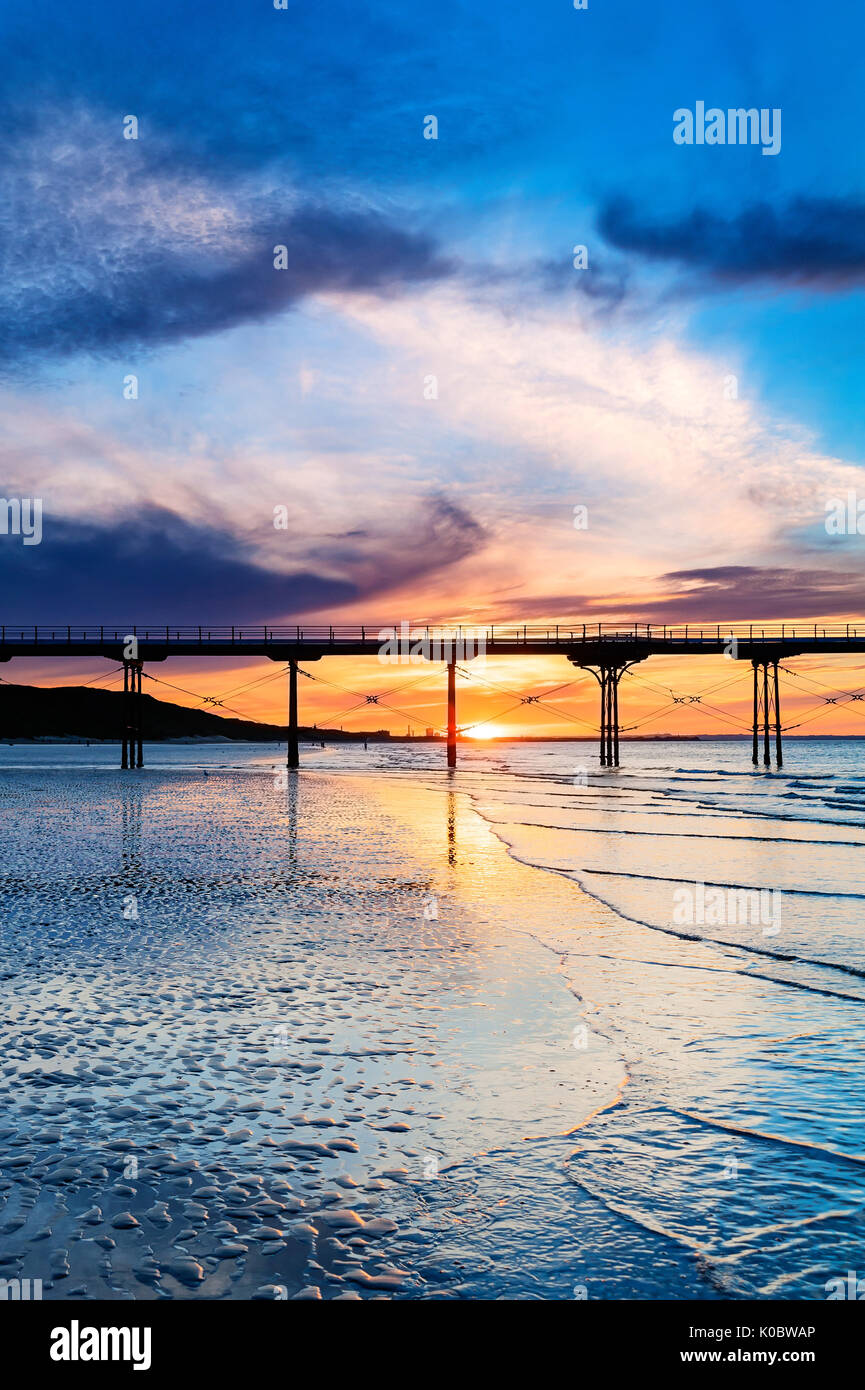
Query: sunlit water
(389, 1032)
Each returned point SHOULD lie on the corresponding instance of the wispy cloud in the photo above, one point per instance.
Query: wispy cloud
(741, 592)
(103, 246)
(719, 594)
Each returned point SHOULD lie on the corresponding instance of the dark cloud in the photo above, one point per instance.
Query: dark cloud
(426, 537)
(154, 566)
(320, 92)
(117, 292)
(819, 241)
(148, 566)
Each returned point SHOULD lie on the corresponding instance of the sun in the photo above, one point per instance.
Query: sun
(487, 731)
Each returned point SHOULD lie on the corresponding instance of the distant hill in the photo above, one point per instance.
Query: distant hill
(74, 711)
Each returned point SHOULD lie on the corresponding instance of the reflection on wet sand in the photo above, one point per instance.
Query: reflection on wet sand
(284, 1078)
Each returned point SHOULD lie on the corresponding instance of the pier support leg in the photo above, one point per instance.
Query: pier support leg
(756, 718)
(608, 678)
(293, 752)
(767, 714)
(610, 683)
(139, 706)
(124, 755)
(132, 752)
(767, 757)
(452, 714)
(779, 759)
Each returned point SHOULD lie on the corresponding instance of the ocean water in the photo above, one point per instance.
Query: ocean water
(527, 1030)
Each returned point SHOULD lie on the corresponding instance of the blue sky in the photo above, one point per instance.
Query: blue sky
(411, 260)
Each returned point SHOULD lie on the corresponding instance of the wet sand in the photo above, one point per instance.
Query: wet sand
(280, 1077)
(336, 1041)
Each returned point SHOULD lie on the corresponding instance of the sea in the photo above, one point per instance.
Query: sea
(529, 1029)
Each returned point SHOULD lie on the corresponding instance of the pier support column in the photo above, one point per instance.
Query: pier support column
(132, 752)
(756, 725)
(124, 755)
(293, 752)
(767, 713)
(452, 714)
(139, 703)
(767, 757)
(779, 759)
(610, 716)
(608, 677)
(606, 750)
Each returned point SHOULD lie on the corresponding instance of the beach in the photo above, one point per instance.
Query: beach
(375, 1031)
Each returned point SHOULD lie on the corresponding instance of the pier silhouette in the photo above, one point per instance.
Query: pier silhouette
(607, 650)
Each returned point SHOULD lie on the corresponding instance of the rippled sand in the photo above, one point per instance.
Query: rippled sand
(280, 1072)
(337, 1041)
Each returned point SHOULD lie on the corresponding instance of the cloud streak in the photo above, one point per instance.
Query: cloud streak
(808, 241)
(719, 594)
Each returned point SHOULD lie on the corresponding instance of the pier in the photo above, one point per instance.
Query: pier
(608, 651)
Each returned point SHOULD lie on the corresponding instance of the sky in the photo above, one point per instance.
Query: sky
(430, 386)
